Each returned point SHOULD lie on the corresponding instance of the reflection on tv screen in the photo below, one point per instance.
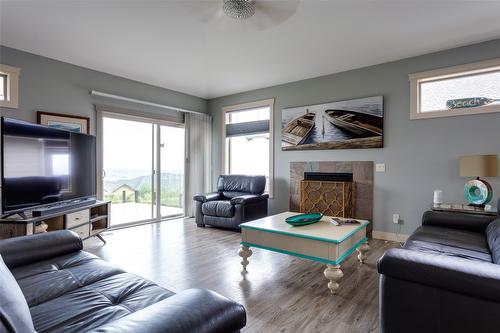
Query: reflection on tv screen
(42, 165)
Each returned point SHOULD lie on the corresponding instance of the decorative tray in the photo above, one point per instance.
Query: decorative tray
(304, 219)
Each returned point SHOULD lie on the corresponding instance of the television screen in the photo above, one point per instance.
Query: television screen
(43, 165)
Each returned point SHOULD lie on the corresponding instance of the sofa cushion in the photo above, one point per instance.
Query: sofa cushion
(98, 303)
(453, 220)
(45, 280)
(221, 222)
(218, 208)
(241, 184)
(452, 242)
(493, 237)
(14, 312)
(91, 292)
(230, 195)
(34, 248)
(190, 311)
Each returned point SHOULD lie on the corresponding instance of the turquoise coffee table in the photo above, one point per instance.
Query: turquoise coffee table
(322, 242)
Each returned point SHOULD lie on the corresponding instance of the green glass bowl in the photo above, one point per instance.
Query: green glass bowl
(303, 219)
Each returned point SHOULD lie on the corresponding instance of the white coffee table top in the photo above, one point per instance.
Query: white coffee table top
(323, 230)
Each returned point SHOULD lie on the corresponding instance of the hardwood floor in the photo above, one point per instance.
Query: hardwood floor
(281, 293)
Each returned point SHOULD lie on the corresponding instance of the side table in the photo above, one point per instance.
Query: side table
(461, 208)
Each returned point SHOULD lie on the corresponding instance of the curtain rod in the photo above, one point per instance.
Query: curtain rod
(138, 101)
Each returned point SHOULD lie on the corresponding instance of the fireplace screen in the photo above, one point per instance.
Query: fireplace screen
(330, 197)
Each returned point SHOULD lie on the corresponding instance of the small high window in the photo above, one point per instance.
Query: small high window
(454, 91)
(9, 86)
(3, 87)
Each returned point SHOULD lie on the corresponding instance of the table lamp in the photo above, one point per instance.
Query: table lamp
(478, 192)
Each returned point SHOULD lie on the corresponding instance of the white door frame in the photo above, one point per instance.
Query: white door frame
(100, 114)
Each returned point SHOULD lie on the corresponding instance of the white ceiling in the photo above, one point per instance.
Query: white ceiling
(172, 44)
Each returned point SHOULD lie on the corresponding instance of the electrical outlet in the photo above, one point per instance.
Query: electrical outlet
(380, 167)
(395, 218)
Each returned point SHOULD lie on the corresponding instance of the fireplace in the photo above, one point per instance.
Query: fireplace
(362, 173)
(329, 193)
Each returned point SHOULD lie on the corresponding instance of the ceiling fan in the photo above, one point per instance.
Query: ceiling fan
(262, 14)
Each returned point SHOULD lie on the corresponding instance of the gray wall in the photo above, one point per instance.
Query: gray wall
(54, 86)
(420, 155)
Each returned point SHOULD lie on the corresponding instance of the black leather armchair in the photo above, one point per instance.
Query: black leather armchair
(48, 284)
(446, 278)
(238, 199)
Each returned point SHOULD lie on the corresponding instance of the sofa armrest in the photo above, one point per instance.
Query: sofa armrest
(193, 310)
(207, 197)
(250, 198)
(464, 221)
(19, 251)
(464, 276)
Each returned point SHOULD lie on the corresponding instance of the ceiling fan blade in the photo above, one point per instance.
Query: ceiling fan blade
(205, 11)
(273, 13)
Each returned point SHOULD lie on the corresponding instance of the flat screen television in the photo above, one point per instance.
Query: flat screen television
(43, 165)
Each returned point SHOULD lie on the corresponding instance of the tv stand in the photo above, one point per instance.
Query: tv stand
(21, 214)
(87, 219)
(62, 206)
(100, 237)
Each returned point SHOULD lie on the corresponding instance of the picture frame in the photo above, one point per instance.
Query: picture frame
(345, 124)
(66, 122)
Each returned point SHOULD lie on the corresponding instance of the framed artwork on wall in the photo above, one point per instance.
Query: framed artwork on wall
(350, 124)
(63, 121)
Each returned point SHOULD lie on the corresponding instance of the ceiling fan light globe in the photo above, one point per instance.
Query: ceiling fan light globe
(239, 9)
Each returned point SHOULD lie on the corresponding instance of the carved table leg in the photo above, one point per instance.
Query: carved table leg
(244, 253)
(333, 273)
(362, 250)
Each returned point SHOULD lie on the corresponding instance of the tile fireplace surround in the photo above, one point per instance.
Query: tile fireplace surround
(362, 172)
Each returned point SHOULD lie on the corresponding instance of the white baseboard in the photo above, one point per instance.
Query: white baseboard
(389, 236)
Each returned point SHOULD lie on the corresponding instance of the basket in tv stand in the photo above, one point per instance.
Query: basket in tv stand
(86, 221)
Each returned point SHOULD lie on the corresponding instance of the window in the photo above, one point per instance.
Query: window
(453, 91)
(9, 78)
(248, 140)
(3, 87)
(60, 164)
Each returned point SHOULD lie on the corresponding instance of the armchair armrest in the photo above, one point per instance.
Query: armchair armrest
(19, 251)
(464, 221)
(464, 276)
(250, 198)
(207, 197)
(193, 310)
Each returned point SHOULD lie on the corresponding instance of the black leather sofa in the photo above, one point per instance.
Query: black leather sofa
(446, 278)
(48, 284)
(238, 199)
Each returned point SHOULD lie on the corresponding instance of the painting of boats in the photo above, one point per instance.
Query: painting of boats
(359, 123)
(297, 131)
(350, 124)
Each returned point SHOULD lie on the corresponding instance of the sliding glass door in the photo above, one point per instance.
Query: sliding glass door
(143, 164)
(171, 168)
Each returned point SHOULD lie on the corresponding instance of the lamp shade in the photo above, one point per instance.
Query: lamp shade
(478, 166)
